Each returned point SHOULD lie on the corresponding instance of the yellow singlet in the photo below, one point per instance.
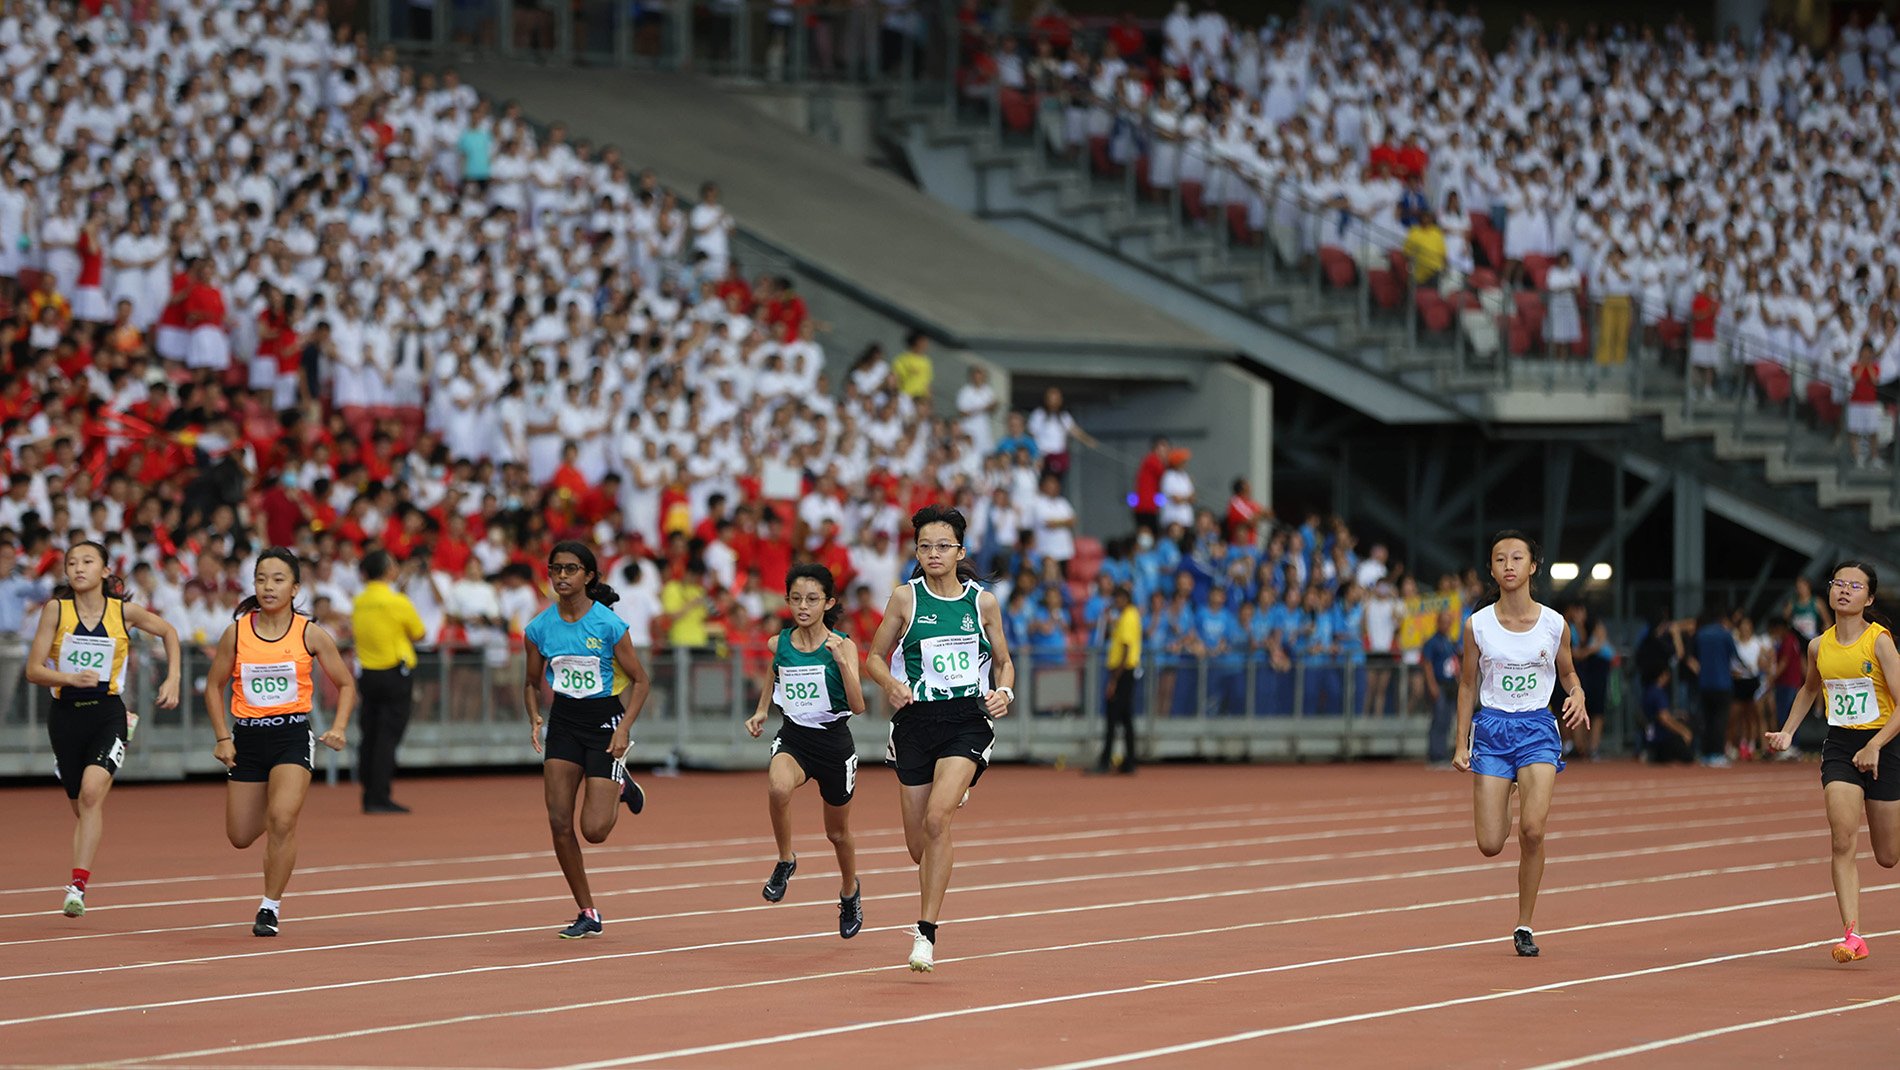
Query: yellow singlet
(1856, 694)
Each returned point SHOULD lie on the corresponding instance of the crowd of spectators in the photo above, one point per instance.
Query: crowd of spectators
(1733, 194)
(262, 286)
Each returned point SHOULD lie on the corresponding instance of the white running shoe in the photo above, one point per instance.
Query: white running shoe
(75, 902)
(923, 953)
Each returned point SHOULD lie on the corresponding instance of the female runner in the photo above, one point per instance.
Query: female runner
(267, 654)
(1853, 669)
(84, 664)
(1515, 652)
(948, 633)
(816, 688)
(582, 649)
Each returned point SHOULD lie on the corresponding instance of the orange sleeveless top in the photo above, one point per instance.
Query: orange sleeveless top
(272, 677)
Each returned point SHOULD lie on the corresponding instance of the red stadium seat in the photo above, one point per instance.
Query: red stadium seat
(1483, 279)
(1192, 204)
(1673, 333)
(1238, 228)
(1099, 158)
(1536, 269)
(1019, 111)
(1434, 312)
(1821, 400)
(1775, 382)
(1339, 270)
(1388, 289)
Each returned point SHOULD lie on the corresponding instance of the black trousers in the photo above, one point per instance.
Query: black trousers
(1712, 729)
(387, 699)
(1120, 711)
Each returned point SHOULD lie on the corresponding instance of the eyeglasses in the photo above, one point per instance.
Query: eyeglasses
(565, 570)
(1847, 585)
(932, 549)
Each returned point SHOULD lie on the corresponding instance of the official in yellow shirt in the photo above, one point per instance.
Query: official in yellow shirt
(685, 604)
(386, 626)
(1124, 658)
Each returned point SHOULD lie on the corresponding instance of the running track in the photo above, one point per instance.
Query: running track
(1216, 916)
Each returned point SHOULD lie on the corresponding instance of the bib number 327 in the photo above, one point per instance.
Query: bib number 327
(1851, 703)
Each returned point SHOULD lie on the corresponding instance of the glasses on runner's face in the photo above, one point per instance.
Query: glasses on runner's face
(932, 549)
(1847, 585)
(565, 570)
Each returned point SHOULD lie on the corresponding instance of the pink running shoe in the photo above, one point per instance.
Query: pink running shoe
(1851, 949)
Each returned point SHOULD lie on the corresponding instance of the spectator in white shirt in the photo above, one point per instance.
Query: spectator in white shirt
(976, 405)
(1054, 523)
(1052, 426)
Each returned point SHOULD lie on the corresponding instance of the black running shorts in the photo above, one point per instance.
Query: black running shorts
(264, 743)
(828, 756)
(86, 732)
(928, 731)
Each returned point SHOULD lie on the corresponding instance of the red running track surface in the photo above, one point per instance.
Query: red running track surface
(1188, 916)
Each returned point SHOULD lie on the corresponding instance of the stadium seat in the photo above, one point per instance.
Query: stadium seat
(1434, 312)
(1536, 270)
(1192, 204)
(1775, 382)
(1339, 270)
(1238, 228)
(1099, 159)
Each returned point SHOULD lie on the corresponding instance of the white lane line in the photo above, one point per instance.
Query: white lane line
(753, 859)
(622, 1001)
(1416, 1008)
(1254, 1034)
(1708, 1034)
(1665, 789)
(1337, 856)
(1121, 876)
(571, 960)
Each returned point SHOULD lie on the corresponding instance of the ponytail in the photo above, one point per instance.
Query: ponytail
(602, 593)
(966, 572)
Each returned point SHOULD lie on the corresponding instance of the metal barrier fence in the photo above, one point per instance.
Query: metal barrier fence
(467, 713)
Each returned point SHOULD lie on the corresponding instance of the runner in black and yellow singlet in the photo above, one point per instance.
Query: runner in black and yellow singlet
(80, 651)
(266, 659)
(815, 686)
(947, 633)
(1853, 669)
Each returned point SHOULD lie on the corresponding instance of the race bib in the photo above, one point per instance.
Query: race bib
(802, 689)
(1851, 703)
(576, 675)
(274, 684)
(950, 662)
(87, 653)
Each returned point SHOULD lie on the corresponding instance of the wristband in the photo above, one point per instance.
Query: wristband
(1008, 692)
(222, 739)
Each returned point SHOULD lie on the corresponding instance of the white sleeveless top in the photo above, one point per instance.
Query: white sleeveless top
(1517, 671)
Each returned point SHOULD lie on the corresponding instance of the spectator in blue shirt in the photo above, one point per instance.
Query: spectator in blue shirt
(1222, 642)
(1119, 564)
(1286, 639)
(1018, 438)
(1178, 688)
(1018, 616)
(19, 595)
(1049, 630)
(1100, 600)
(1714, 648)
(1666, 737)
(1321, 653)
(1440, 655)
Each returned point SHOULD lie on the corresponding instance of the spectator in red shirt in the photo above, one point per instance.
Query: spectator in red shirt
(1243, 515)
(863, 621)
(1704, 356)
(1148, 484)
(774, 553)
(1129, 40)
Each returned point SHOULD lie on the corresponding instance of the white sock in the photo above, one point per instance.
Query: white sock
(270, 905)
(1522, 929)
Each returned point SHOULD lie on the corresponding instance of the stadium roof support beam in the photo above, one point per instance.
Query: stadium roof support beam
(1611, 543)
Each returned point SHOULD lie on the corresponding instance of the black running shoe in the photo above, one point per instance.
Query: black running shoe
(1521, 939)
(266, 923)
(633, 795)
(851, 913)
(583, 926)
(781, 876)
